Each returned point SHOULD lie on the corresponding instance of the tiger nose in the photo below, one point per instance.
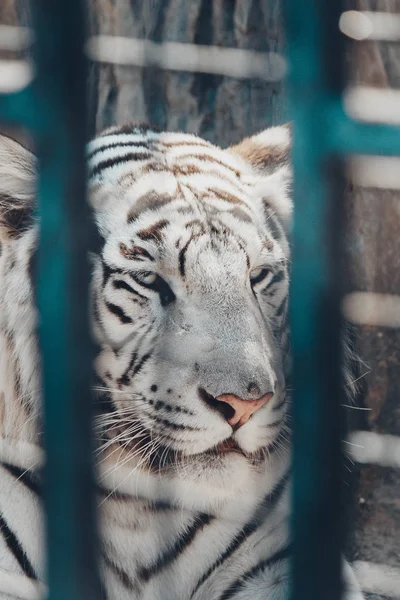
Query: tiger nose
(237, 411)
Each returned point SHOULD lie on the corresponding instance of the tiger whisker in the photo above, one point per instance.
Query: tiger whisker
(128, 437)
(31, 393)
(355, 407)
(31, 418)
(132, 435)
(119, 464)
(117, 391)
(119, 442)
(109, 423)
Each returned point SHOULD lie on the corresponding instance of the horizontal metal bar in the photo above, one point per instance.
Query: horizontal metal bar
(19, 108)
(15, 75)
(14, 38)
(174, 56)
(359, 138)
(232, 62)
(368, 25)
(374, 448)
(345, 136)
(381, 172)
(378, 579)
(374, 105)
(370, 308)
(348, 136)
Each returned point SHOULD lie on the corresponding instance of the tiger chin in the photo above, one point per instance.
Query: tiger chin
(189, 296)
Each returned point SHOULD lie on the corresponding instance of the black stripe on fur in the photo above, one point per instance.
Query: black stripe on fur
(142, 143)
(120, 284)
(182, 257)
(118, 312)
(250, 527)
(16, 549)
(183, 541)
(237, 585)
(120, 574)
(119, 160)
(25, 476)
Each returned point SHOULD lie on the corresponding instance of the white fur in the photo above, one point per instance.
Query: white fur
(274, 136)
(13, 585)
(218, 334)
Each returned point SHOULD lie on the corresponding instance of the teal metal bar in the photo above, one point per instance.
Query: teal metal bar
(18, 108)
(347, 136)
(323, 133)
(315, 83)
(62, 298)
(53, 108)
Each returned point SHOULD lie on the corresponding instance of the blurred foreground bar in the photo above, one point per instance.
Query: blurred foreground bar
(323, 134)
(175, 56)
(53, 109)
(62, 297)
(315, 83)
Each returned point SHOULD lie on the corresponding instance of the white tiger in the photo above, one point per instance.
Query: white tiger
(189, 293)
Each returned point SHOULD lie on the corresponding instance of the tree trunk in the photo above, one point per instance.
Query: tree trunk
(374, 260)
(218, 108)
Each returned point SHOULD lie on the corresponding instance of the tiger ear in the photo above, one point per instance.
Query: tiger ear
(268, 154)
(17, 188)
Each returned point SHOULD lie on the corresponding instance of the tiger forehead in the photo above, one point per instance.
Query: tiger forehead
(165, 239)
(165, 192)
(150, 200)
(161, 241)
(124, 158)
(153, 211)
(156, 179)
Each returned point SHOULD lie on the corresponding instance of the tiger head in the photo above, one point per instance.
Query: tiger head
(189, 296)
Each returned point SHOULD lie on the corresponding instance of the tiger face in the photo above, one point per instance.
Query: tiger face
(189, 301)
(190, 295)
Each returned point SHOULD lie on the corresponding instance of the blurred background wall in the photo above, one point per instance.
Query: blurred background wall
(374, 265)
(223, 110)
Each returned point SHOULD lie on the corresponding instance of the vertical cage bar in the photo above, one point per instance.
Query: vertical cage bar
(315, 84)
(62, 298)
